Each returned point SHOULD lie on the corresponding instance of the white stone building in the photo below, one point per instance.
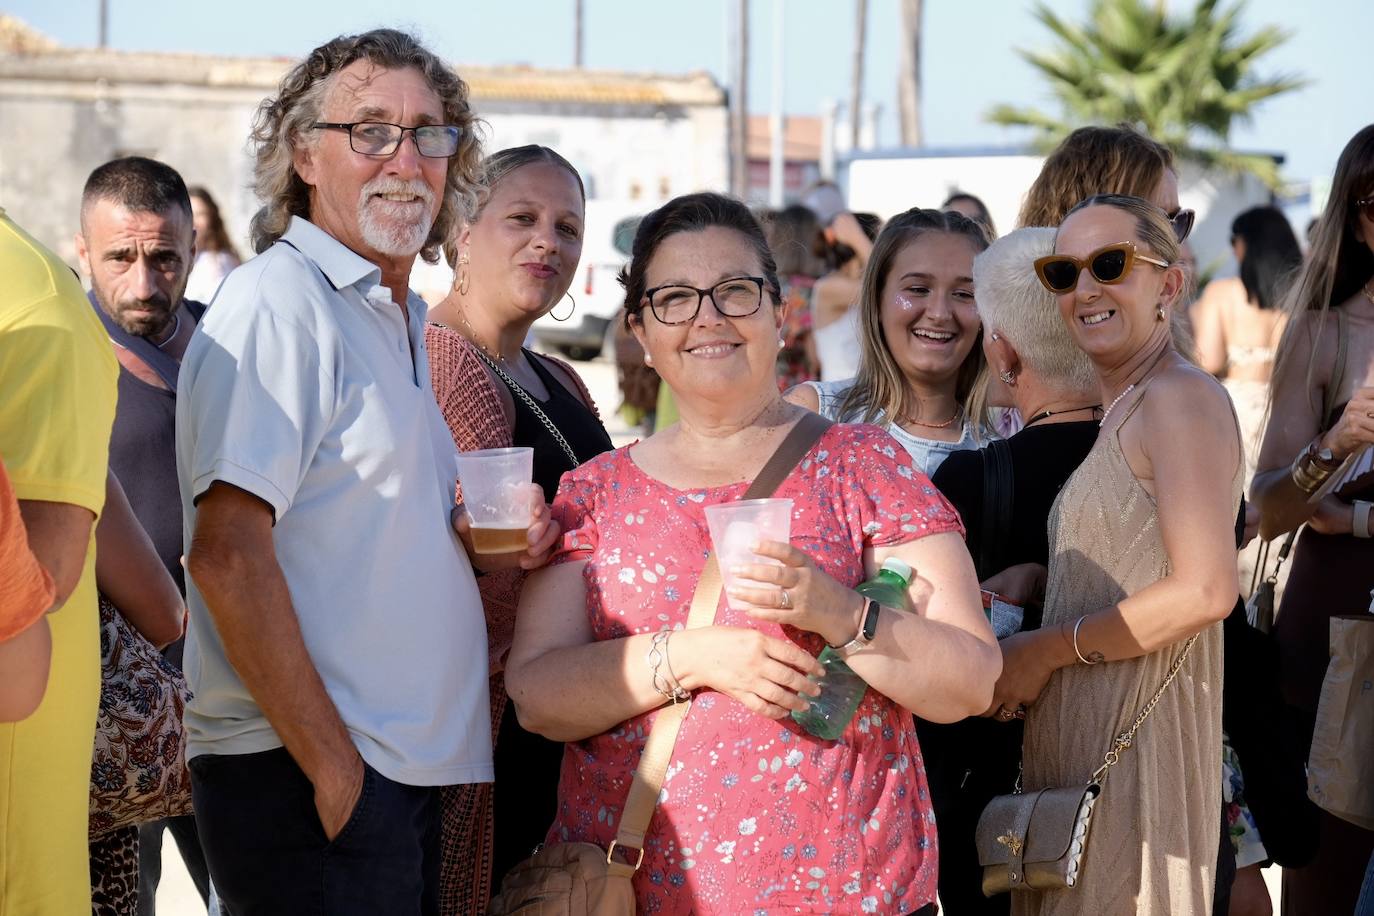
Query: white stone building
(64, 111)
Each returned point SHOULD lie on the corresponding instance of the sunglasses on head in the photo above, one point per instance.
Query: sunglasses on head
(1110, 264)
(1182, 222)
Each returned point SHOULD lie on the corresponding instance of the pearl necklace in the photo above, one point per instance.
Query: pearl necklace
(1115, 401)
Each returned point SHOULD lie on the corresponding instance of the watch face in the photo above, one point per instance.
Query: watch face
(870, 628)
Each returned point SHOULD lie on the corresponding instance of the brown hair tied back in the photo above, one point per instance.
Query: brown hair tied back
(692, 213)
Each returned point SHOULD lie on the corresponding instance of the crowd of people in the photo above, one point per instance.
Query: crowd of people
(235, 558)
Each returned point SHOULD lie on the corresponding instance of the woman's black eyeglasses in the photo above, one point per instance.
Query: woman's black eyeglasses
(1110, 264)
(377, 138)
(1366, 208)
(737, 297)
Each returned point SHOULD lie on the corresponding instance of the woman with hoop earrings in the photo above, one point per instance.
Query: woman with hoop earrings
(513, 258)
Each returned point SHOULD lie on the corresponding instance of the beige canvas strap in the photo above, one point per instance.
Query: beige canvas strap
(658, 746)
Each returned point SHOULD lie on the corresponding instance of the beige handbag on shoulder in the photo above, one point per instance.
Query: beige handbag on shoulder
(582, 879)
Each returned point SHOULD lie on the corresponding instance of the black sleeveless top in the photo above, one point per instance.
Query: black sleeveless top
(577, 424)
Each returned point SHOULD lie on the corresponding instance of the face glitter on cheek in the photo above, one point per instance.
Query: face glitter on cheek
(904, 303)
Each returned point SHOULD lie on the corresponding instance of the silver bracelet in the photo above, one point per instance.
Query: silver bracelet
(658, 655)
(1359, 519)
(1093, 657)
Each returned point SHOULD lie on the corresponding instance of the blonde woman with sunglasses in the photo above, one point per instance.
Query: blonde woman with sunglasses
(1142, 559)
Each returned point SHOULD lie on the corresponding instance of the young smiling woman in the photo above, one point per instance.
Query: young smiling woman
(922, 358)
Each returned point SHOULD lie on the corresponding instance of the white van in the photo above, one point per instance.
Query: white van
(607, 238)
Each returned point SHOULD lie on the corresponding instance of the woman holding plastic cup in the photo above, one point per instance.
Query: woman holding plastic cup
(514, 258)
(756, 813)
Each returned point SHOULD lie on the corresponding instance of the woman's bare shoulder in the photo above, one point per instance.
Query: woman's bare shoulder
(1185, 393)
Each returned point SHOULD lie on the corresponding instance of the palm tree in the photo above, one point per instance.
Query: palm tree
(1185, 80)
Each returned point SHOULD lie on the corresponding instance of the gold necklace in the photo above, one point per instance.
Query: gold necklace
(1367, 294)
(472, 336)
(945, 425)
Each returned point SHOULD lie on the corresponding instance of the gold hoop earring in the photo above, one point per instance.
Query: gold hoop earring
(570, 298)
(463, 275)
(1159, 312)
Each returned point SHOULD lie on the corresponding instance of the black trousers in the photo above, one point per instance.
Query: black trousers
(268, 853)
(183, 830)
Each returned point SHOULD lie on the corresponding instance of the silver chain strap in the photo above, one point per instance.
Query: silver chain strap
(1123, 740)
(533, 405)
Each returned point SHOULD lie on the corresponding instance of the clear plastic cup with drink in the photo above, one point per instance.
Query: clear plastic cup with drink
(497, 497)
(737, 526)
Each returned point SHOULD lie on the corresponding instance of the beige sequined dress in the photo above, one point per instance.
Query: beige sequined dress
(1153, 843)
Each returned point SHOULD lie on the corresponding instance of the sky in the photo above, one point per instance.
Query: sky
(969, 53)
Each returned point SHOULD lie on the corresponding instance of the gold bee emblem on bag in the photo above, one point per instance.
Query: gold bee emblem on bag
(1012, 843)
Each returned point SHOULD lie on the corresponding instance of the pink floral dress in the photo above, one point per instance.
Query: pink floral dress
(756, 815)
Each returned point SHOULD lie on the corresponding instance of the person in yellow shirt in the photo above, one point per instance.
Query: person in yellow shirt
(57, 399)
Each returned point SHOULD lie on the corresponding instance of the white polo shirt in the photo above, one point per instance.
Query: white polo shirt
(299, 387)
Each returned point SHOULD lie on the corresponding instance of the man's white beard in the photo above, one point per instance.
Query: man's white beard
(385, 225)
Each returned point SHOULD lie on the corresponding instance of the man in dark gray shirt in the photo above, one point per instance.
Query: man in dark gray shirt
(137, 244)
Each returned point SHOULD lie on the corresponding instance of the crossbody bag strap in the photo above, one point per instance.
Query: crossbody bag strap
(999, 489)
(658, 746)
(1124, 740)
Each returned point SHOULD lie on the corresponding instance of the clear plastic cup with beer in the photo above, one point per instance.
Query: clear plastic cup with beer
(496, 496)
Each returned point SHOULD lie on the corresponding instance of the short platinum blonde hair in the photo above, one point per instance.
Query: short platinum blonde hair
(1014, 304)
(282, 125)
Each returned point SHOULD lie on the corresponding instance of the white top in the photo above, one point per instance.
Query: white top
(300, 388)
(837, 347)
(207, 273)
(926, 454)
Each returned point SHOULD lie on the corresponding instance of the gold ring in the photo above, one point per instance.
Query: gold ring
(786, 600)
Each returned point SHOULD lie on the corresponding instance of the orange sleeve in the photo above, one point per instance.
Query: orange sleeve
(26, 589)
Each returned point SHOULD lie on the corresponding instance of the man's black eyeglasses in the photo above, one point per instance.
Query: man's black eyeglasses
(737, 297)
(377, 138)
(1182, 221)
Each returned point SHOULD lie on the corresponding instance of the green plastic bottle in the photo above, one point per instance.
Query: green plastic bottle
(841, 689)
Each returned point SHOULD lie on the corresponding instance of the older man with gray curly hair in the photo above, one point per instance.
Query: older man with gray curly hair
(336, 647)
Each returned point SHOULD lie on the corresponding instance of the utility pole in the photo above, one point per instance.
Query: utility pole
(577, 33)
(856, 89)
(909, 78)
(777, 124)
(739, 107)
(103, 36)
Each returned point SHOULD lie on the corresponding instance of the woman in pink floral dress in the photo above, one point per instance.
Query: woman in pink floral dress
(756, 815)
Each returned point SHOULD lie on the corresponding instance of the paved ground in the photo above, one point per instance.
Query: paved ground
(177, 895)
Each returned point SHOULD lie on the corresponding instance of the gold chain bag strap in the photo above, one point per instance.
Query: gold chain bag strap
(582, 879)
(1036, 840)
